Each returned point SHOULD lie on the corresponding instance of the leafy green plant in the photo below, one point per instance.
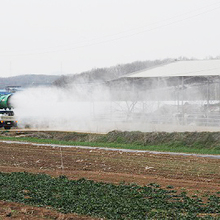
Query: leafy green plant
(105, 200)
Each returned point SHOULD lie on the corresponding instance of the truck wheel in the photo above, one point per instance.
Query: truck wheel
(7, 127)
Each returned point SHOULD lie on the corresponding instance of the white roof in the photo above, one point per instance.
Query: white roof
(182, 68)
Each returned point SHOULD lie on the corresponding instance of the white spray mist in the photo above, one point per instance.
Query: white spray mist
(94, 108)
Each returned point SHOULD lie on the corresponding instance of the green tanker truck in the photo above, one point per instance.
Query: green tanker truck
(7, 119)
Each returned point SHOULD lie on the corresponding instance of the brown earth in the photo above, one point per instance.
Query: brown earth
(189, 173)
(11, 210)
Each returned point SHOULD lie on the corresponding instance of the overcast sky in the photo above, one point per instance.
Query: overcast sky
(71, 36)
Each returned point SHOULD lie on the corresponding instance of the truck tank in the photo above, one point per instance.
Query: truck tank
(5, 101)
(7, 119)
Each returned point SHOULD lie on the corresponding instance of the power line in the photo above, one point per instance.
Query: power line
(145, 29)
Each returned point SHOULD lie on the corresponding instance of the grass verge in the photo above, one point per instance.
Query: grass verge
(173, 147)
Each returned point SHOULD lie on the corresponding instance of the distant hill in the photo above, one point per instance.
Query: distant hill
(113, 75)
(28, 80)
(103, 75)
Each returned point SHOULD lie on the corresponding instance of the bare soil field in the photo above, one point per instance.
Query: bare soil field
(11, 210)
(195, 175)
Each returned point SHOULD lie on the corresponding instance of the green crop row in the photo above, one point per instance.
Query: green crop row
(106, 200)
